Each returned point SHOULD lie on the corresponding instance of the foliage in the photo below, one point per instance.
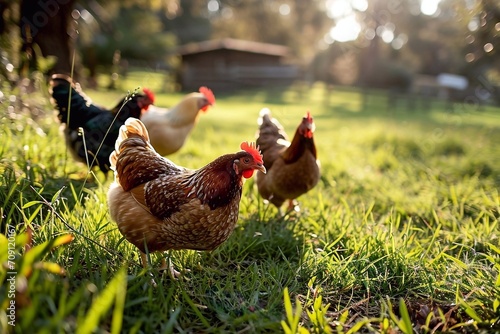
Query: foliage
(481, 48)
(137, 33)
(401, 233)
(147, 33)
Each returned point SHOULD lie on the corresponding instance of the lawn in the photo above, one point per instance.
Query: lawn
(400, 234)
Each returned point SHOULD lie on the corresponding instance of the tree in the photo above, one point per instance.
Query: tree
(45, 31)
(483, 48)
(299, 24)
(188, 20)
(53, 29)
(484, 39)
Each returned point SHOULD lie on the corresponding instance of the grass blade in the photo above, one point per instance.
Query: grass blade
(101, 305)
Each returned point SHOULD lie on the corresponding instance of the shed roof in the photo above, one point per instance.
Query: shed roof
(233, 44)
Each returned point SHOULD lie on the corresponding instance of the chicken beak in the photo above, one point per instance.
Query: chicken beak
(261, 168)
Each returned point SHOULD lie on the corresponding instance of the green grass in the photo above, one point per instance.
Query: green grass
(402, 230)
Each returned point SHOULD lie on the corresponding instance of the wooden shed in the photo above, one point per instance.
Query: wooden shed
(229, 64)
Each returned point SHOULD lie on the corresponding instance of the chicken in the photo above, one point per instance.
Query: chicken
(169, 128)
(292, 168)
(159, 206)
(100, 126)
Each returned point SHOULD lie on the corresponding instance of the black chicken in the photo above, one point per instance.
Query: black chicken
(95, 141)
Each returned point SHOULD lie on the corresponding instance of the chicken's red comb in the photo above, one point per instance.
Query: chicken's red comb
(208, 94)
(253, 149)
(149, 94)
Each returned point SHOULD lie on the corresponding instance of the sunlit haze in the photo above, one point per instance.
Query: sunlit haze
(346, 29)
(429, 7)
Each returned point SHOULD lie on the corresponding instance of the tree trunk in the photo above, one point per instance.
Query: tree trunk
(46, 26)
(4, 5)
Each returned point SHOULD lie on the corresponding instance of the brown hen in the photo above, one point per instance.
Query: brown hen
(159, 206)
(292, 167)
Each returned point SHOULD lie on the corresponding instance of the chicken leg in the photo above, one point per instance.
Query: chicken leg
(174, 274)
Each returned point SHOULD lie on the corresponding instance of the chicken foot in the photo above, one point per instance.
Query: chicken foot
(293, 205)
(174, 274)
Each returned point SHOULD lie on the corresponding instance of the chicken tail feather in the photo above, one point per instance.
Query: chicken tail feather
(132, 127)
(134, 161)
(270, 131)
(264, 113)
(74, 107)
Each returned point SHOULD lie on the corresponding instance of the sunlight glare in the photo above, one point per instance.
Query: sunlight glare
(361, 5)
(473, 24)
(338, 8)
(346, 29)
(213, 5)
(284, 9)
(387, 36)
(488, 47)
(429, 7)
(470, 57)
(87, 16)
(398, 42)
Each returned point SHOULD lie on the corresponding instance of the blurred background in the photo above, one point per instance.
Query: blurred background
(447, 48)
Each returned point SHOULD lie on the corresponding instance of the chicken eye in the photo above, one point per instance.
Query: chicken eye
(246, 160)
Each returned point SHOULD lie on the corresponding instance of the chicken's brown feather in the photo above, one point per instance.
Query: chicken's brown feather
(138, 163)
(192, 226)
(160, 206)
(292, 167)
(272, 138)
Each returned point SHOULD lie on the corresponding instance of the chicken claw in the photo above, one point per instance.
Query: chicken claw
(174, 274)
